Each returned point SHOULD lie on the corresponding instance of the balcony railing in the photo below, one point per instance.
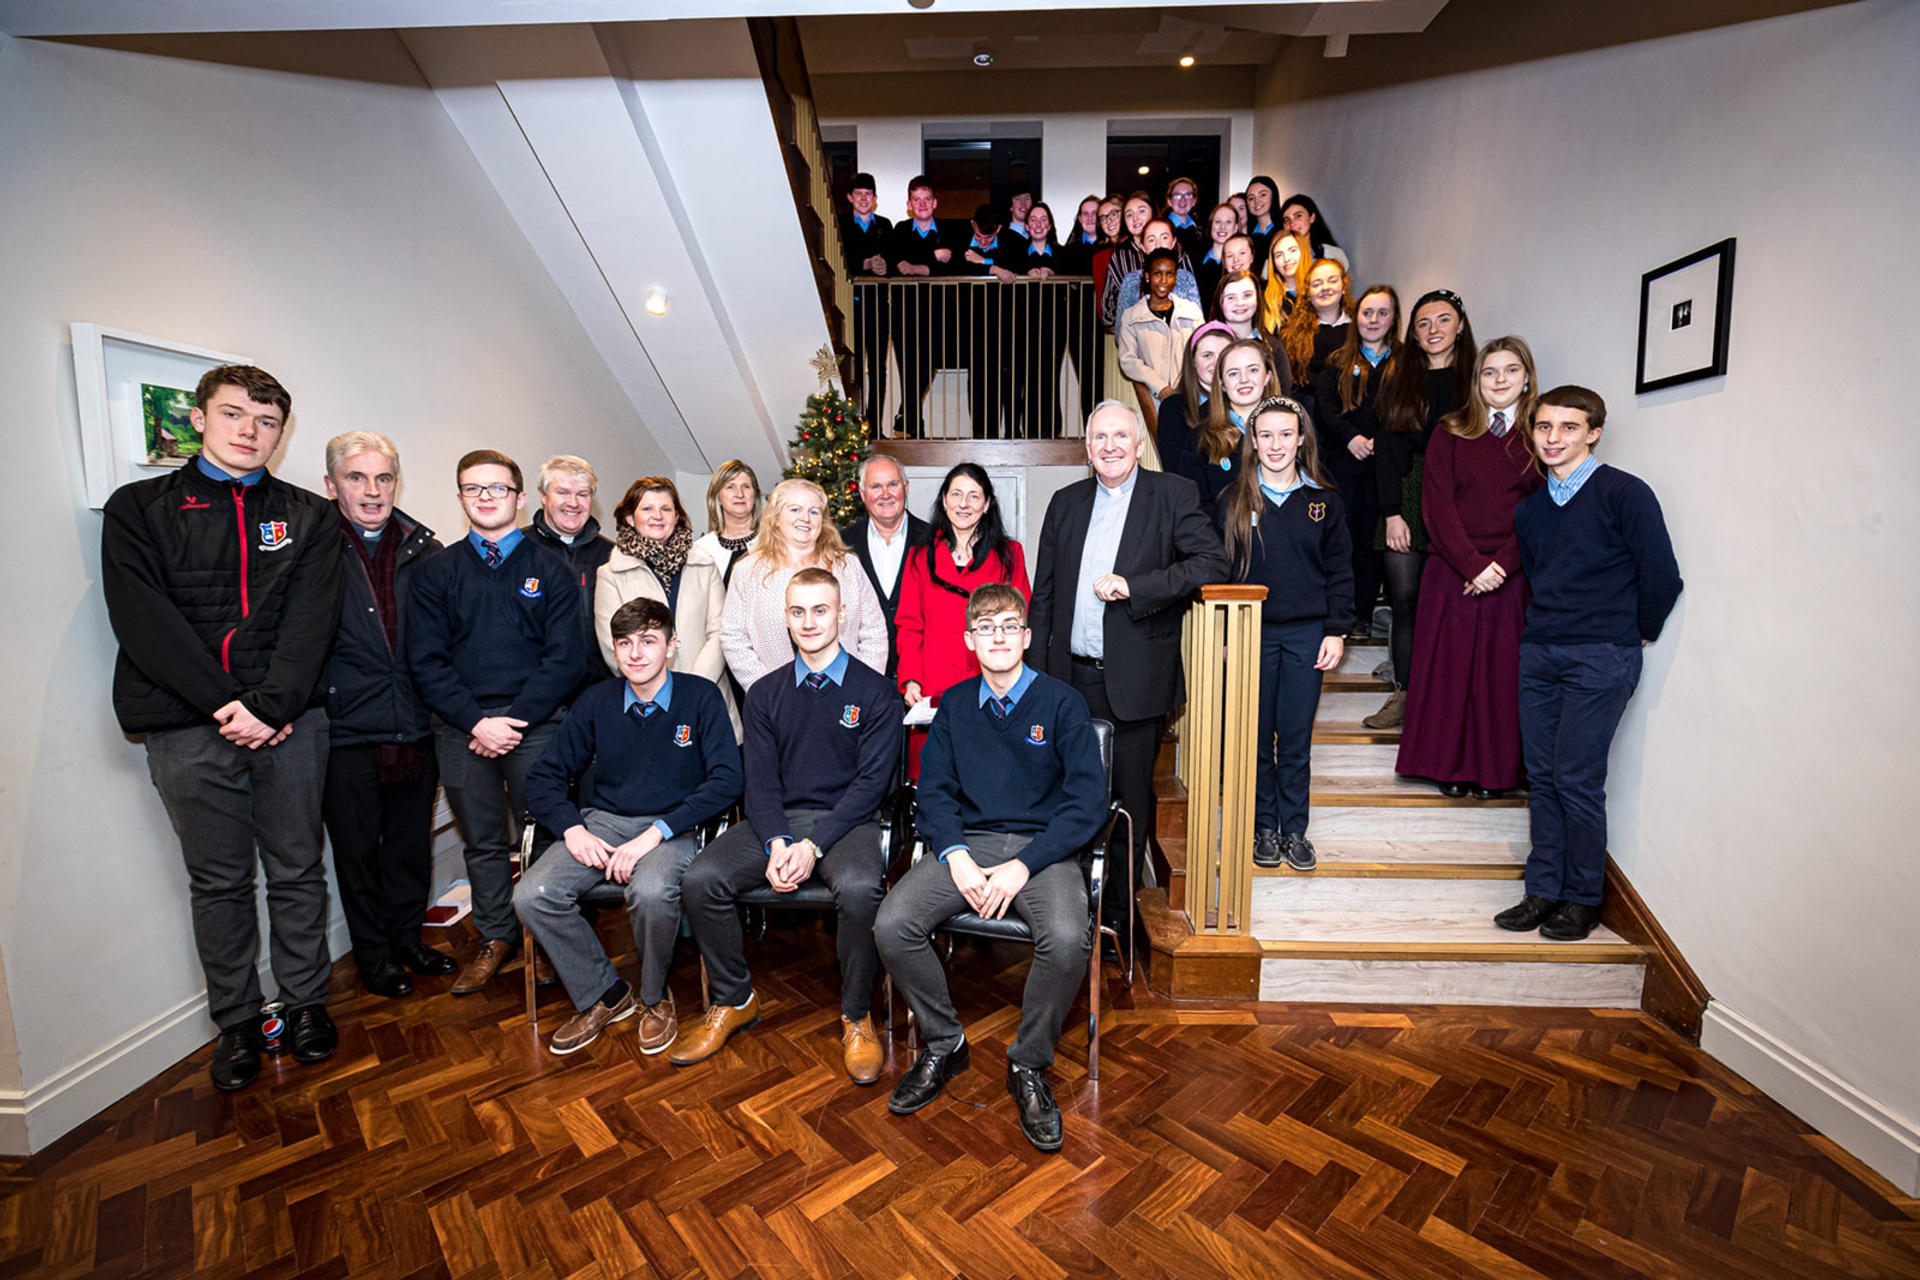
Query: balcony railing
(954, 359)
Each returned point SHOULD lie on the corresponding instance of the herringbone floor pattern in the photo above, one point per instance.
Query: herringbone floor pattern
(441, 1140)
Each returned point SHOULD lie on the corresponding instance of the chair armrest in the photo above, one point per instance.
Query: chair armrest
(1093, 859)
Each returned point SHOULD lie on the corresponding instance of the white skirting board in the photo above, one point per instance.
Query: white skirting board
(33, 1119)
(1887, 1143)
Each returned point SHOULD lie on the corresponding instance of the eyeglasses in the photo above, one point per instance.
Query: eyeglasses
(489, 490)
(988, 630)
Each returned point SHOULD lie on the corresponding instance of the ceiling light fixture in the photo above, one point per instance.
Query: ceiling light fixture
(1187, 61)
(1144, 171)
(657, 302)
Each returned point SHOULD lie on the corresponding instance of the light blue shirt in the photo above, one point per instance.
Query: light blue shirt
(1278, 497)
(1179, 221)
(1021, 684)
(208, 469)
(1562, 491)
(1088, 638)
(1374, 356)
(663, 700)
(835, 671)
(506, 542)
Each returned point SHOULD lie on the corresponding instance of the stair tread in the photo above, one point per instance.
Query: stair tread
(1351, 732)
(1414, 859)
(1354, 682)
(1430, 934)
(1363, 789)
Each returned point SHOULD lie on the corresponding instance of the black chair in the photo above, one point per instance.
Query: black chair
(601, 897)
(1093, 859)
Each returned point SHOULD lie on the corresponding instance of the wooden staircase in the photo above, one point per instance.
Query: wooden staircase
(1400, 909)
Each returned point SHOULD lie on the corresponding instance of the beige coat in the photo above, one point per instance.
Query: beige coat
(696, 614)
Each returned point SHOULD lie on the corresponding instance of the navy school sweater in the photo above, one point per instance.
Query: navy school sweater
(480, 637)
(831, 748)
(1035, 773)
(680, 764)
(1601, 568)
(1303, 555)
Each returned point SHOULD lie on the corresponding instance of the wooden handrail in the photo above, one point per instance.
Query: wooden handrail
(1220, 645)
(783, 70)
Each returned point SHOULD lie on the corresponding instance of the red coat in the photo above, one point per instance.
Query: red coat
(932, 619)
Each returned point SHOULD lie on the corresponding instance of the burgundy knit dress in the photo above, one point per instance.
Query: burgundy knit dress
(1463, 702)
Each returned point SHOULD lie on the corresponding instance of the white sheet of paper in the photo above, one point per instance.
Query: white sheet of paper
(919, 713)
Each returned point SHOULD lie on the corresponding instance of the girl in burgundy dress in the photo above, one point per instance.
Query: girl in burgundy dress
(1463, 706)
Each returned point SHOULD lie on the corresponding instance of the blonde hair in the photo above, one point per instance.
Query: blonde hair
(1476, 419)
(768, 546)
(352, 443)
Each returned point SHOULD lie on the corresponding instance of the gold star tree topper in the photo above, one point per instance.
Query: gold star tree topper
(825, 367)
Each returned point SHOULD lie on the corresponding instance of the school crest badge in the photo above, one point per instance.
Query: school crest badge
(530, 588)
(850, 717)
(1037, 736)
(274, 535)
(683, 735)
(1316, 511)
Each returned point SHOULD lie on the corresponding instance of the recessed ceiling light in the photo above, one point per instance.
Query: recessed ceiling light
(1144, 171)
(657, 301)
(1187, 61)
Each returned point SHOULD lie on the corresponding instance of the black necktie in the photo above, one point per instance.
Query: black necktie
(641, 710)
(490, 552)
(1000, 708)
(816, 679)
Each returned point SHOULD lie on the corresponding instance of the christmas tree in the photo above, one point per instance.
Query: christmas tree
(827, 450)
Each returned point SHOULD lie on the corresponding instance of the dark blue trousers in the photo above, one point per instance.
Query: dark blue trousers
(1289, 697)
(1571, 700)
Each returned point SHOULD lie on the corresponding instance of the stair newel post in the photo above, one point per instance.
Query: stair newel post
(1221, 645)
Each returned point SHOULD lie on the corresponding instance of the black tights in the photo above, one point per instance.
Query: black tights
(1403, 593)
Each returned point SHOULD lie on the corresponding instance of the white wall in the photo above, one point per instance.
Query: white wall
(1761, 781)
(342, 234)
(1073, 152)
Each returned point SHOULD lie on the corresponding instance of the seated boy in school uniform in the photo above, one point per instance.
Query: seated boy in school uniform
(664, 761)
(1011, 787)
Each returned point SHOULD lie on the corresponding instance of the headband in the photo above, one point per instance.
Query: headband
(1211, 326)
(1283, 403)
(1447, 296)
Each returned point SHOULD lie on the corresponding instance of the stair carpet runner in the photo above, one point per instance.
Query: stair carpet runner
(1400, 909)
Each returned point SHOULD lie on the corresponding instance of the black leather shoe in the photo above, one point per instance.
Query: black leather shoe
(236, 1059)
(1453, 790)
(1529, 913)
(926, 1078)
(386, 978)
(1039, 1113)
(1266, 848)
(1572, 922)
(1487, 793)
(423, 959)
(314, 1035)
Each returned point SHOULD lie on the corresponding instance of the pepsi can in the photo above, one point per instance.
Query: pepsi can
(273, 1027)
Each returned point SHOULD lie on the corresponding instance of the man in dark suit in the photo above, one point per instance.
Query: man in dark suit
(1119, 555)
(884, 536)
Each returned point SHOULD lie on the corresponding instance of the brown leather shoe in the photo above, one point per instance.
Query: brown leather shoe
(722, 1021)
(583, 1028)
(658, 1026)
(863, 1053)
(543, 972)
(1390, 716)
(480, 970)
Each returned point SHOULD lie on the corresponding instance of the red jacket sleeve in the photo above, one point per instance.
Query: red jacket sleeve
(910, 620)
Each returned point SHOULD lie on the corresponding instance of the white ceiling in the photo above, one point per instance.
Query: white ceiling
(122, 17)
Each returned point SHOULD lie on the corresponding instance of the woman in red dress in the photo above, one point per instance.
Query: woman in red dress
(969, 549)
(1463, 703)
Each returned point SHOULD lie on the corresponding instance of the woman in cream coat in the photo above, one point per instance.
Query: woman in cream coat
(655, 556)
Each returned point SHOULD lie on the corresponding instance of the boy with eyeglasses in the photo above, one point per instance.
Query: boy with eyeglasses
(1011, 788)
(495, 650)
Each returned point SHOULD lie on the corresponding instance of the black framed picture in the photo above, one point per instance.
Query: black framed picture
(1686, 312)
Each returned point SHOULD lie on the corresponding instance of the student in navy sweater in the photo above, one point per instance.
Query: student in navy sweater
(664, 761)
(495, 648)
(1596, 553)
(822, 740)
(1296, 545)
(1011, 788)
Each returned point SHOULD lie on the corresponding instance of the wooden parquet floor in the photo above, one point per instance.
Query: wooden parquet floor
(441, 1140)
